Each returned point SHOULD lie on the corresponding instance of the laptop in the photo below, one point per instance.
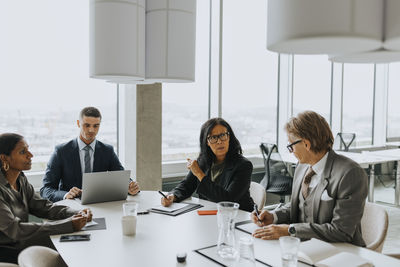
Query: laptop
(105, 186)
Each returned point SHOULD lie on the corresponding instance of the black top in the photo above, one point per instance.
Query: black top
(232, 184)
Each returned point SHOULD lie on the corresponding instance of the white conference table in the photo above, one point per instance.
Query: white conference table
(393, 155)
(365, 160)
(160, 237)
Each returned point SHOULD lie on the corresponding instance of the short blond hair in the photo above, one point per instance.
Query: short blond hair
(313, 127)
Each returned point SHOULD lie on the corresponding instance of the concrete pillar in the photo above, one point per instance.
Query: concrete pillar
(140, 133)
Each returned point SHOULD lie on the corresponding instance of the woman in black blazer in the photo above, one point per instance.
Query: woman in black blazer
(220, 173)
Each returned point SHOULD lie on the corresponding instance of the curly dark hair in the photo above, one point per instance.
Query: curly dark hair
(206, 156)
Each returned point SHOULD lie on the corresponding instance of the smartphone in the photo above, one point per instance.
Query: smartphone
(67, 238)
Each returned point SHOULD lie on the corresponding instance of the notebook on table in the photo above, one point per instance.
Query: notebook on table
(322, 254)
(105, 186)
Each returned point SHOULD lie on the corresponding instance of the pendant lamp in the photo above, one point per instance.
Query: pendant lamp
(170, 40)
(117, 40)
(324, 26)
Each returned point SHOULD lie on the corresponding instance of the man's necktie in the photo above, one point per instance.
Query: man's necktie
(87, 159)
(306, 182)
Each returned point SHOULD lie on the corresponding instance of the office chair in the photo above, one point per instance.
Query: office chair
(374, 226)
(258, 194)
(277, 179)
(343, 141)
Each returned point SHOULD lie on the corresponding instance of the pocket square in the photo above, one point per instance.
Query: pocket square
(325, 196)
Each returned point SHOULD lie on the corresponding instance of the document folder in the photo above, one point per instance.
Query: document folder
(187, 208)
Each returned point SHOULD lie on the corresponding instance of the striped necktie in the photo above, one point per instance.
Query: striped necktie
(87, 159)
(306, 182)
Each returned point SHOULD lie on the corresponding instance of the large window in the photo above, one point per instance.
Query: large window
(249, 77)
(393, 121)
(358, 84)
(185, 105)
(312, 84)
(44, 75)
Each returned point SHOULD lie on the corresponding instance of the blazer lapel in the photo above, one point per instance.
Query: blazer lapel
(96, 160)
(326, 175)
(298, 178)
(76, 161)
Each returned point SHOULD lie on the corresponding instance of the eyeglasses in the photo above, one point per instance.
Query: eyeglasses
(214, 138)
(290, 146)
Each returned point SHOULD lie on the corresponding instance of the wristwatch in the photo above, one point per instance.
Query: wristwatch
(292, 230)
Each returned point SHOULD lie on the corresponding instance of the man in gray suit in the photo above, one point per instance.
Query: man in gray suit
(329, 190)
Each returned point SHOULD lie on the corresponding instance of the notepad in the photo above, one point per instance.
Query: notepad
(175, 209)
(247, 226)
(322, 254)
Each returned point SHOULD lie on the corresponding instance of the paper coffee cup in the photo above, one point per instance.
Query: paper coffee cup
(129, 225)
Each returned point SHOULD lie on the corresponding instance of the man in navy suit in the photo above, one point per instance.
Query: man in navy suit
(63, 177)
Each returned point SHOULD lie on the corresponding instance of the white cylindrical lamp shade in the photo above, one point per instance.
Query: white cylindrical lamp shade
(170, 40)
(117, 40)
(376, 56)
(324, 26)
(392, 27)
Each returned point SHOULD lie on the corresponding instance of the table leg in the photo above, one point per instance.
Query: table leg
(397, 185)
(371, 183)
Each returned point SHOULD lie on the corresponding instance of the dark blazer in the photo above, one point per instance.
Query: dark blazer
(233, 184)
(338, 203)
(64, 169)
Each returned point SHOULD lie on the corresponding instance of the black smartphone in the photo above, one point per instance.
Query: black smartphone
(67, 238)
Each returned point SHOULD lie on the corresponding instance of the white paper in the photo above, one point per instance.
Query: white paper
(91, 223)
(172, 208)
(248, 227)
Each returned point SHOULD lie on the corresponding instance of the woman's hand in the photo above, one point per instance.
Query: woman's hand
(272, 231)
(133, 188)
(264, 219)
(87, 213)
(194, 167)
(78, 221)
(166, 202)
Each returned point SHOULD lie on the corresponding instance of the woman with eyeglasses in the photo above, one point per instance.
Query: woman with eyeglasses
(220, 173)
(18, 199)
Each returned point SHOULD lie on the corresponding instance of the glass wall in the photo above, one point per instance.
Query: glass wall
(358, 85)
(185, 105)
(249, 77)
(393, 119)
(44, 75)
(312, 84)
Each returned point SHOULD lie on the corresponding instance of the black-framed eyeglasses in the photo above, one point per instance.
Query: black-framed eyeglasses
(214, 138)
(290, 146)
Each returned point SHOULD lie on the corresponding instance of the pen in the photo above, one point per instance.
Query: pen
(256, 211)
(162, 194)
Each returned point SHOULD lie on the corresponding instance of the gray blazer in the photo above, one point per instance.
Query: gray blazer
(338, 203)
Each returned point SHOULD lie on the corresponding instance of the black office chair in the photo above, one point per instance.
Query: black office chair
(343, 141)
(277, 179)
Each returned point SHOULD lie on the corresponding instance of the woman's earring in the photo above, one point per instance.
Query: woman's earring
(6, 166)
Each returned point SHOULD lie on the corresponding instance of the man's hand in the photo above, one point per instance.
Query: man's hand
(272, 231)
(265, 218)
(73, 193)
(133, 188)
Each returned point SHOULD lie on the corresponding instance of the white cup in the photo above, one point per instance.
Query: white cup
(130, 208)
(129, 224)
(129, 219)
